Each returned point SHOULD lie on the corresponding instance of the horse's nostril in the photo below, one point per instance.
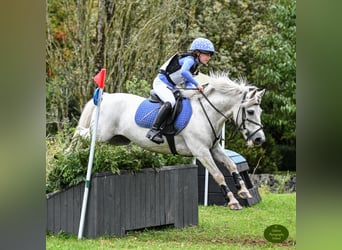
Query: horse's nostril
(258, 140)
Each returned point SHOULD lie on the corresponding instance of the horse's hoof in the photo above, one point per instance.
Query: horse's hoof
(235, 206)
(245, 195)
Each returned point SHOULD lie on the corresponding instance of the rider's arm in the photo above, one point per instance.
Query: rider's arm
(188, 62)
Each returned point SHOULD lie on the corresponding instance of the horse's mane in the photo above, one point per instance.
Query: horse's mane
(220, 81)
(223, 83)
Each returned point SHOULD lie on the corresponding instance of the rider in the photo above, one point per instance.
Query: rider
(180, 68)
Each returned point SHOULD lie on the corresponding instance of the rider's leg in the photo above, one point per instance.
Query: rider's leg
(163, 91)
(166, 95)
(154, 133)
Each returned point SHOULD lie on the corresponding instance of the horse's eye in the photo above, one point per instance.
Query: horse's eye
(250, 112)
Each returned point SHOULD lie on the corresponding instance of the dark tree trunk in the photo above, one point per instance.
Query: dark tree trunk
(104, 17)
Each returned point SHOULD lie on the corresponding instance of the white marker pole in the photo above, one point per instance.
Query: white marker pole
(223, 135)
(206, 180)
(99, 79)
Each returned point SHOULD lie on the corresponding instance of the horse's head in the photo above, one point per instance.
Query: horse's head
(246, 112)
(247, 117)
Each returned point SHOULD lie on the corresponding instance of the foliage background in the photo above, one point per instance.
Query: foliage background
(256, 39)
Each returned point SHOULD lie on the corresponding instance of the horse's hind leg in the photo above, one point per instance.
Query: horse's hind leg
(208, 162)
(220, 156)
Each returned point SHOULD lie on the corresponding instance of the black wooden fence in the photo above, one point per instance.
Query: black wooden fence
(118, 203)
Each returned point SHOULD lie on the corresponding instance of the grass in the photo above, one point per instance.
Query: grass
(218, 228)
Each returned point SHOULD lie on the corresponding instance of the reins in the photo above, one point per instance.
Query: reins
(213, 106)
(217, 138)
(210, 123)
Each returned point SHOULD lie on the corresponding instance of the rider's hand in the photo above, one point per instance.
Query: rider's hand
(200, 88)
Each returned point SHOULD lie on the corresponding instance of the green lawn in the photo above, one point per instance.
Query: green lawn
(218, 228)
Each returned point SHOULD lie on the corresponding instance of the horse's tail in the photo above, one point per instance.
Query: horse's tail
(83, 126)
(85, 119)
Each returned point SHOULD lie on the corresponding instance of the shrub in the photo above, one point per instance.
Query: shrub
(66, 169)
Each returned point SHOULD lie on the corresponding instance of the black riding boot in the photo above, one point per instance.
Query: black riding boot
(154, 133)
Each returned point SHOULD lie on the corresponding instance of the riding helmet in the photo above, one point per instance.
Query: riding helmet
(203, 45)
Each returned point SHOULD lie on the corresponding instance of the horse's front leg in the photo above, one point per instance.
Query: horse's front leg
(220, 156)
(209, 163)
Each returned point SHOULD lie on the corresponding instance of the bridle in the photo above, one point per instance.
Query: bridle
(242, 125)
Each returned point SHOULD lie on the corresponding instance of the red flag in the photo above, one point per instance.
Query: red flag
(100, 78)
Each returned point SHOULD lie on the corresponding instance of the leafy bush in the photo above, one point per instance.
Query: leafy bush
(66, 169)
(280, 184)
(138, 87)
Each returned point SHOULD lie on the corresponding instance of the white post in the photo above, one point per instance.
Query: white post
(223, 135)
(206, 180)
(90, 165)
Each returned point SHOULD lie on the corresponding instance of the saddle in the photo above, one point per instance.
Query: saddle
(168, 126)
(178, 120)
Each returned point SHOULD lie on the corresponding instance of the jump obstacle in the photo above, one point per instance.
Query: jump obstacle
(214, 192)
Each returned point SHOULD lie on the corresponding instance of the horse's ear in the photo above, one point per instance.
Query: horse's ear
(253, 93)
(261, 92)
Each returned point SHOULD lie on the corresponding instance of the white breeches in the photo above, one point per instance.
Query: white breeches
(162, 90)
